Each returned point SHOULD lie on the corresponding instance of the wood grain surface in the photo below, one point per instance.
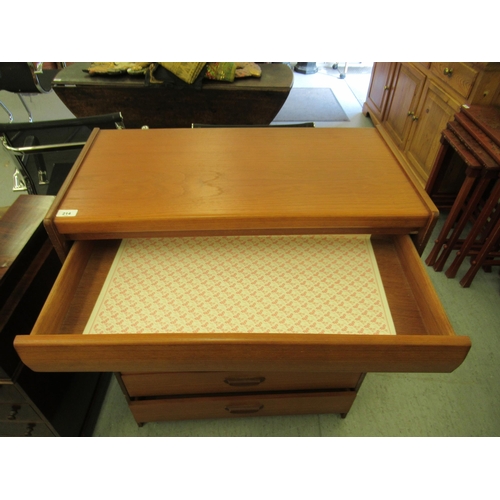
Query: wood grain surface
(264, 180)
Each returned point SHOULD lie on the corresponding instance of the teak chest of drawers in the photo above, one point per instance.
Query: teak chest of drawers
(161, 183)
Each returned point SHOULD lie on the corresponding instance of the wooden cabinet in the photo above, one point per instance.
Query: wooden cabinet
(418, 101)
(249, 183)
(402, 105)
(33, 404)
(380, 85)
(434, 111)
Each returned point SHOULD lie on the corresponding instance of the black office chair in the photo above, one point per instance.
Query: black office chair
(24, 78)
(56, 143)
(305, 124)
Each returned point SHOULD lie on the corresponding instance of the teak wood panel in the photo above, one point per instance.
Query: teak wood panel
(157, 384)
(425, 340)
(242, 406)
(144, 183)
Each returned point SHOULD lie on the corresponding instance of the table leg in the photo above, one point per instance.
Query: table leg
(481, 257)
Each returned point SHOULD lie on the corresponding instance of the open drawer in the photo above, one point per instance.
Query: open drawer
(424, 340)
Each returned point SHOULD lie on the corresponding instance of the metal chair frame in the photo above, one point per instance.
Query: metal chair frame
(22, 180)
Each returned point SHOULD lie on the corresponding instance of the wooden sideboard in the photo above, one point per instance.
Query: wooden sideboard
(232, 182)
(411, 103)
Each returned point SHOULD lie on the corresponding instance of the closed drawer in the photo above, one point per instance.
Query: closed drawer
(9, 393)
(159, 384)
(24, 429)
(16, 412)
(242, 406)
(458, 76)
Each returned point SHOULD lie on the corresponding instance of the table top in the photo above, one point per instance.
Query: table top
(271, 180)
(277, 77)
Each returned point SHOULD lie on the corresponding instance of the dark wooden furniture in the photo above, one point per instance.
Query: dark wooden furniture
(33, 404)
(489, 253)
(249, 101)
(475, 136)
(229, 182)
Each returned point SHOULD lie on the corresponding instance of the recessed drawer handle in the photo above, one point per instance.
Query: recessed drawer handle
(29, 430)
(243, 409)
(244, 382)
(14, 409)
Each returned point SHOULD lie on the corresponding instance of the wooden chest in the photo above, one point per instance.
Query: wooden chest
(232, 182)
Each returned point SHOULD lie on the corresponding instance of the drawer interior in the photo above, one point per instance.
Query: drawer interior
(406, 310)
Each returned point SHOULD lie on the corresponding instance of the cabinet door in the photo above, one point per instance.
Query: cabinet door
(436, 109)
(408, 84)
(380, 86)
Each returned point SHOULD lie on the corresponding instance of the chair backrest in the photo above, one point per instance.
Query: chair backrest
(23, 77)
(108, 121)
(55, 144)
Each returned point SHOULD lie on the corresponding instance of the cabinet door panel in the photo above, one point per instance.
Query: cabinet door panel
(435, 111)
(380, 86)
(402, 107)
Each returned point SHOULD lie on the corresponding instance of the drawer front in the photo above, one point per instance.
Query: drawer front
(160, 384)
(24, 429)
(17, 412)
(458, 76)
(9, 393)
(425, 341)
(242, 406)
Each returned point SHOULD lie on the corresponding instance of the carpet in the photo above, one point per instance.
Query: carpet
(311, 105)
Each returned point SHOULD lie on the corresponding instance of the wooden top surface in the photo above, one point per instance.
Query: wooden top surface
(18, 225)
(278, 77)
(487, 118)
(143, 182)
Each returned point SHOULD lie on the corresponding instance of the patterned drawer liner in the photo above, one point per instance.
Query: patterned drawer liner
(244, 284)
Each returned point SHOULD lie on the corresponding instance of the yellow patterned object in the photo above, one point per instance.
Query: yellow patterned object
(318, 284)
(117, 68)
(222, 71)
(186, 71)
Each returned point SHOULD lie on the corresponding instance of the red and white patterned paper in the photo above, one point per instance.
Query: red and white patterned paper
(320, 284)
